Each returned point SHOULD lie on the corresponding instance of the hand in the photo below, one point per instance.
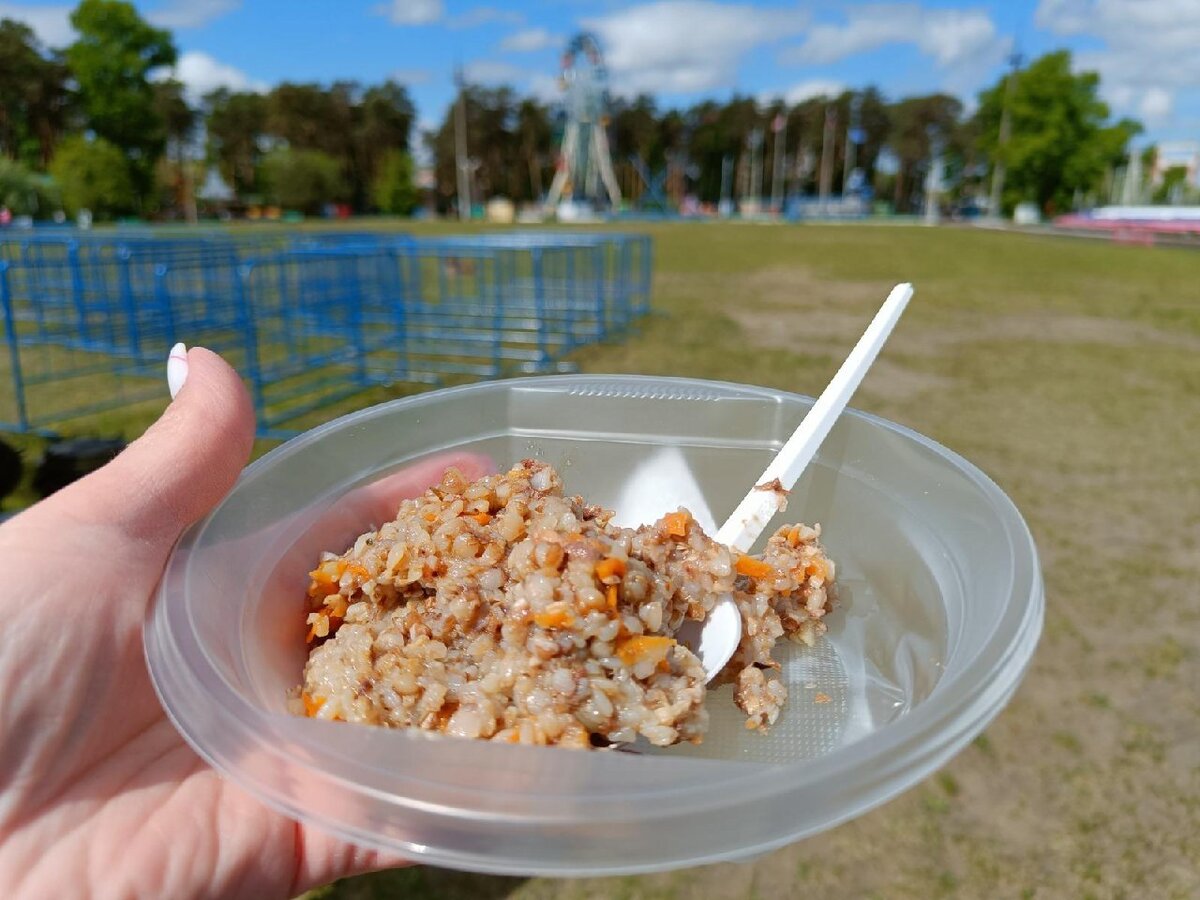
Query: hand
(98, 793)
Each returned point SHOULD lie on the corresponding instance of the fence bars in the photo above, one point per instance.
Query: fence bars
(308, 319)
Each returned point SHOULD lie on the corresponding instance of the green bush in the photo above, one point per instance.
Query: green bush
(302, 180)
(395, 190)
(26, 193)
(1175, 180)
(93, 175)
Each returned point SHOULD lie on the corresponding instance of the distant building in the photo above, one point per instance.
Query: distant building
(1177, 154)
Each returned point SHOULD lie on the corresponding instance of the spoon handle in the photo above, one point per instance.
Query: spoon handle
(748, 521)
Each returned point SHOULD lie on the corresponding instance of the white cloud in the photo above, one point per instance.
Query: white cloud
(201, 73)
(805, 90)
(546, 88)
(686, 46)
(530, 40)
(190, 13)
(411, 76)
(951, 37)
(1150, 53)
(485, 15)
(531, 82)
(51, 24)
(412, 12)
(485, 71)
(1087, 16)
(1156, 105)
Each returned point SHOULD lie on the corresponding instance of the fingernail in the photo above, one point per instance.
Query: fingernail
(177, 369)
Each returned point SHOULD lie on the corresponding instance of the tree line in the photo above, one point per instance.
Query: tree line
(98, 125)
(1063, 143)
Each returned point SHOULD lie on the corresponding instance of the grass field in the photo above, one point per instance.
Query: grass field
(1070, 372)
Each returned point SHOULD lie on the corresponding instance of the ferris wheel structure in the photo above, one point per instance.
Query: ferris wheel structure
(584, 170)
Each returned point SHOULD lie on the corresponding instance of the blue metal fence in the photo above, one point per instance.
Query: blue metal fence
(307, 319)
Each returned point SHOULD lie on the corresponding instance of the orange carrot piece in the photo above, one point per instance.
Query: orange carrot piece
(554, 618)
(610, 567)
(754, 568)
(328, 573)
(644, 646)
(676, 523)
(610, 597)
(482, 518)
(312, 705)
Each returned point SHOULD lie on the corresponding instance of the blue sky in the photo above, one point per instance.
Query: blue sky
(1147, 51)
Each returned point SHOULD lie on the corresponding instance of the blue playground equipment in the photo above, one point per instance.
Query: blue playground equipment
(308, 319)
(655, 197)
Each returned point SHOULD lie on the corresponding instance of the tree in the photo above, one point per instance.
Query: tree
(235, 123)
(93, 175)
(492, 142)
(302, 180)
(534, 136)
(34, 99)
(18, 55)
(876, 123)
(179, 122)
(25, 193)
(717, 131)
(1174, 187)
(309, 117)
(110, 62)
(634, 128)
(394, 190)
(384, 119)
(1060, 141)
(916, 123)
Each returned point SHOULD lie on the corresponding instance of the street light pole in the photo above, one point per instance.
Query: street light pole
(462, 164)
(853, 135)
(933, 178)
(756, 145)
(826, 179)
(779, 126)
(998, 167)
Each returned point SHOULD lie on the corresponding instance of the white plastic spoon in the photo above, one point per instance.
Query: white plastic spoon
(715, 640)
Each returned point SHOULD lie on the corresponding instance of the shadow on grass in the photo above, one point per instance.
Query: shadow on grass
(420, 883)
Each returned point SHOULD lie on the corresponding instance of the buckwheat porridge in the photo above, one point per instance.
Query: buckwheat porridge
(501, 609)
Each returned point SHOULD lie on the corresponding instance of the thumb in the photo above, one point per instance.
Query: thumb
(180, 468)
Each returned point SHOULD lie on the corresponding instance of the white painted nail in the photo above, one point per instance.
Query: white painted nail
(177, 369)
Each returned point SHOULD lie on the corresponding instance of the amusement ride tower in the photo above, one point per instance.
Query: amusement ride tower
(584, 164)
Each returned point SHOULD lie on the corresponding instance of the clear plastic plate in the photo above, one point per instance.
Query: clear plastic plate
(941, 608)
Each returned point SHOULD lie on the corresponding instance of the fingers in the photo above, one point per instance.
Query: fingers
(180, 468)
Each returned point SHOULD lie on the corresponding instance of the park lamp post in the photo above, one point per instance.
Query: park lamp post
(828, 138)
(933, 178)
(461, 163)
(854, 137)
(756, 146)
(779, 129)
(998, 166)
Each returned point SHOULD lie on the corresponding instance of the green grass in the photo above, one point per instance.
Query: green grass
(1068, 371)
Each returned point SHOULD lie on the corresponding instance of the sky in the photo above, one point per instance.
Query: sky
(1147, 51)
